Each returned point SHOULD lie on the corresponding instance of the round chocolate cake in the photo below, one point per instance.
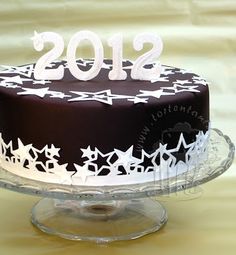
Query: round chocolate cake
(102, 132)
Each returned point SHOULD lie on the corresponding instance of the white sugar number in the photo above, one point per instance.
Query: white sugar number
(138, 72)
(117, 73)
(98, 58)
(40, 71)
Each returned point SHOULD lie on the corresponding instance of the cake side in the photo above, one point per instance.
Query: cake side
(102, 132)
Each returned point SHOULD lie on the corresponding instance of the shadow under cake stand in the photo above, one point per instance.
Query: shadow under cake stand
(110, 213)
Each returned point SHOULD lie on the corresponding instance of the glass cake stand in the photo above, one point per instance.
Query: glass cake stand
(110, 213)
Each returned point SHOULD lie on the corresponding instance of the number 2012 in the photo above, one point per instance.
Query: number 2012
(138, 72)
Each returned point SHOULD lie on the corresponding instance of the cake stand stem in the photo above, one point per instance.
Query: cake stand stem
(99, 221)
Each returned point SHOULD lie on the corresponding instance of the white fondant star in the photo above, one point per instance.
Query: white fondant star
(106, 66)
(149, 156)
(35, 92)
(9, 85)
(155, 156)
(182, 82)
(202, 82)
(156, 93)
(42, 82)
(163, 79)
(81, 62)
(104, 96)
(126, 159)
(53, 151)
(93, 156)
(88, 153)
(61, 171)
(36, 152)
(106, 156)
(22, 70)
(3, 149)
(57, 94)
(88, 61)
(181, 142)
(192, 155)
(82, 172)
(23, 151)
(14, 79)
(137, 100)
(179, 88)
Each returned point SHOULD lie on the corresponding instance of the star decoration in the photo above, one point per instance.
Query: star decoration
(82, 172)
(163, 79)
(147, 156)
(36, 92)
(65, 176)
(81, 62)
(138, 100)
(42, 82)
(162, 161)
(106, 66)
(22, 70)
(97, 155)
(126, 159)
(179, 88)
(23, 151)
(57, 94)
(14, 79)
(182, 82)
(53, 151)
(181, 143)
(9, 85)
(156, 93)
(103, 161)
(104, 96)
(202, 82)
(4, 148)
(88, 153)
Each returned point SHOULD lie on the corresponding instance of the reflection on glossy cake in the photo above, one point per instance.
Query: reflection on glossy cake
(102, 132)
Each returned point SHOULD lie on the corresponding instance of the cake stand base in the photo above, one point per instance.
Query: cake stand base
(99, 221)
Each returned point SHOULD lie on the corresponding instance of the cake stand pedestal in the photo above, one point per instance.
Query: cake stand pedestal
(110, 213)
(99, 221)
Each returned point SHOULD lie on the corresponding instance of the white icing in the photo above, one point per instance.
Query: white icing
(24, 161)
(138, 71)
(40, 71)
(98, 55)
(117, 73)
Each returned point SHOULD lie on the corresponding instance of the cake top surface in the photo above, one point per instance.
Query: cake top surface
(20, 81)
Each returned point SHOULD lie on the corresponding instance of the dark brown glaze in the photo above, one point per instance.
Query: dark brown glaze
(72, 126)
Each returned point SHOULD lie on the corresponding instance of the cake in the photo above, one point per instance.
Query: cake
(102, 132)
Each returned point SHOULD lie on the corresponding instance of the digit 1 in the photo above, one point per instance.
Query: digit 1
(98, 58)
(117, 73)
